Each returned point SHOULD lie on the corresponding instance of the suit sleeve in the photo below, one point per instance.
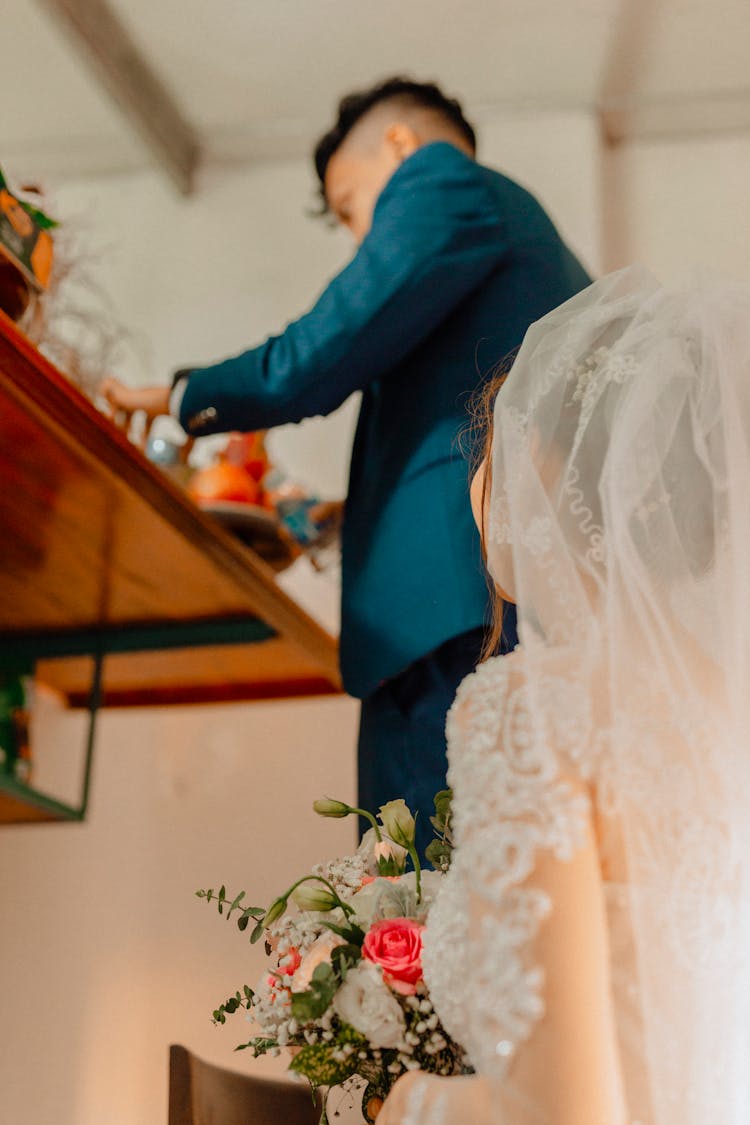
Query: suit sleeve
(435, 236)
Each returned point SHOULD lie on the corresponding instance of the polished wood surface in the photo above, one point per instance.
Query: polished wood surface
(13, 810)
(272, 669)
(93, 536)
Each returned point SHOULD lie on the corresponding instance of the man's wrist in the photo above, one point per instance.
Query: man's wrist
(179, 385)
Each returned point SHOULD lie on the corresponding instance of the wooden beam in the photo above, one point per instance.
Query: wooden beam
(631, 34)
(131, 82)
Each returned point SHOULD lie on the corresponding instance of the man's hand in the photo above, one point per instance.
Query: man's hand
(124, 402)
(330, 515)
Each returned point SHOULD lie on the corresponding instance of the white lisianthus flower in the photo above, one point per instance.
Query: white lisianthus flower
(314, 896)
(365, 1001)
(398, 822)
(328, 806)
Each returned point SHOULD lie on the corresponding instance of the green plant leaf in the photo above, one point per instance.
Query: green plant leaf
(344, 958)
(316, 1000)
(258, 1045)
(42, 220)
(438, 853)
(351, 932)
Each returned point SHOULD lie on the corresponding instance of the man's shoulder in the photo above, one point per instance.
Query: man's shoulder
(445, 161)
(443, 168)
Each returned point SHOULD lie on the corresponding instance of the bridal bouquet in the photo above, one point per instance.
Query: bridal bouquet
(345, 989)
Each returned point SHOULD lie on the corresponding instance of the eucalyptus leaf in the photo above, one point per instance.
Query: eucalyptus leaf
(259, 1045)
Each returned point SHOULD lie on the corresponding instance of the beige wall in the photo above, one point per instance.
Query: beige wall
(105, 955)
(680, 205)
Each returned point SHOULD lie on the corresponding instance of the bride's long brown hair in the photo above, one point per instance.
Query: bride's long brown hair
(482, 430)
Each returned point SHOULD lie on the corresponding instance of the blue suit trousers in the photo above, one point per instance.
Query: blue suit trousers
(402, 747)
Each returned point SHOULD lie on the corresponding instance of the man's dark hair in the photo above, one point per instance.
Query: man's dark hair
(353, 107)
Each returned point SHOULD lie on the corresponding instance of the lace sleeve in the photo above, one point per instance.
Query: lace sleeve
(516, 949)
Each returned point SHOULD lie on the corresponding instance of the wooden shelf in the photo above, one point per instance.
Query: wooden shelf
(20, 804)
(99, 544)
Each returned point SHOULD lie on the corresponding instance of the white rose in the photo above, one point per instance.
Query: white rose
(432, 881)
(366, 1002)
(385, 898)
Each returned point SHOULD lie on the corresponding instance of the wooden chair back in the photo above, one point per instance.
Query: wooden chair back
(201, 1093)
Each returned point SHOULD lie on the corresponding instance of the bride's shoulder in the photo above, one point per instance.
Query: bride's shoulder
(485, 690)
(542, 680)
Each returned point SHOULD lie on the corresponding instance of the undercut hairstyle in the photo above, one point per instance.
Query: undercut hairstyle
(407, 94)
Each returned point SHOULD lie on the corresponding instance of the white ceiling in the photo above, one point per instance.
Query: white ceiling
(257, 80)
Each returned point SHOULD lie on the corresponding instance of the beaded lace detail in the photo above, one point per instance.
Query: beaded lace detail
(510, 802)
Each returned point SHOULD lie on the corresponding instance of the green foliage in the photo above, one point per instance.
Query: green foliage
(441, 820)
(259, 1045)
(440, 851)
(42, 220)
(351, 932)
(344, 958)
(233, 1004)
(390, 866)
(313, 1003)
(322, 1063)
(257, 913)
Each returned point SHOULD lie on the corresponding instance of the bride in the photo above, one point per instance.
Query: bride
(591, 944)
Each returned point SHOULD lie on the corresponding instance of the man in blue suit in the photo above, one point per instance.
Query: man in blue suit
(454, 261)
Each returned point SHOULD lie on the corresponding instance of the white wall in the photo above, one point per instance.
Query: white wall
(105, 955)
(677, 205)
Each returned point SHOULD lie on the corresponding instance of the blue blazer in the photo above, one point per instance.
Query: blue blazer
(458, 262)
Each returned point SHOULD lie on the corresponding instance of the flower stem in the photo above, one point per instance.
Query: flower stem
(417, 870)
(368, 816)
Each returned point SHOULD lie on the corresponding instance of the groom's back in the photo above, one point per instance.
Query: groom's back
(411, 552)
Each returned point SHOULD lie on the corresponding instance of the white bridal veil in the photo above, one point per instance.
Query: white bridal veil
(619, 520)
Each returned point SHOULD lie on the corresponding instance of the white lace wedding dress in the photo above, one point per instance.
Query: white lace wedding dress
(529, 951)
(526, 911)
(591, 944)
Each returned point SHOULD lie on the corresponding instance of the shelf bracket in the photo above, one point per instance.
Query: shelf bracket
(15, 795)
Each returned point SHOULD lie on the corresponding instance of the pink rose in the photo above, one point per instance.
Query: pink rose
(396, 945)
